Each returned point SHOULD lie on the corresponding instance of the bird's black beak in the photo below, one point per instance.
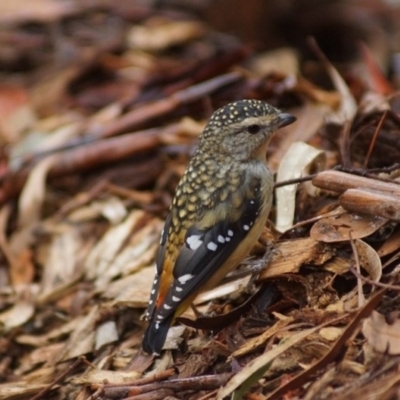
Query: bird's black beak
(285, 119)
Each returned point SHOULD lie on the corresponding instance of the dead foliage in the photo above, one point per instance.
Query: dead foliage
(99, 113)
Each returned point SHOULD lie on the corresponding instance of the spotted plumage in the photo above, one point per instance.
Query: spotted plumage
(220, 207)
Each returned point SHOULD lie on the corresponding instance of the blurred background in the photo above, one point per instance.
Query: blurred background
(45, 32)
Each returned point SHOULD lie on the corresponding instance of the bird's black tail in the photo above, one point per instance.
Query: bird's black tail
(155, 335)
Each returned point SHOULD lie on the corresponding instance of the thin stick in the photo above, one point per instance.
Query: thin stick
(374, 138)
(294, 181)
(361, 299)
(58, 379)
(371, 282)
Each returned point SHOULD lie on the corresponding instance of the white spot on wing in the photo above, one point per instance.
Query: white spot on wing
(153, 291)
(174, 298)
(194, 242)
(230, 233)
(251, 201)
(184, 278)
(212, 246)
(178, 289)
(157, 325)
(221, 239)
(246, 227)
(166, 306)
(228, 239)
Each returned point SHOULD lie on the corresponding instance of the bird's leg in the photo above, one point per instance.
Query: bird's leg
(254, 266)
(260, 265)
(257, 266)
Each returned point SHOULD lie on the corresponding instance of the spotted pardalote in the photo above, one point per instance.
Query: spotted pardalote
(220, 207)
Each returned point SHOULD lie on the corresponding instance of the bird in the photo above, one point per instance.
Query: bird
(218, 212)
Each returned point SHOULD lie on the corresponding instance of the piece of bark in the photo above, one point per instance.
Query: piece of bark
(139, 116)
(86, 157)
(339, 182)
(372, 203)
(289, 256)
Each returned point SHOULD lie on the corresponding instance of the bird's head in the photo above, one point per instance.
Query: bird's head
(242, 129)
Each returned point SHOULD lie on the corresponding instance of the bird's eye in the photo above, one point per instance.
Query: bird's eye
(253, 129)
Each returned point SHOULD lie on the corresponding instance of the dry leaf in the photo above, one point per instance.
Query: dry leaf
(338, 228)
(316, 94)
(161, 364)
(36, 142)
(296, 163)
(330, 333)
(20, 390)
(258, 341)
(236, 286)
(174, 337)
(160, 34)
(82, 339)
(369, 260)
(21, 11)
(113, 209)
(30, 205)
(284, 60)
(103, 254)
(40, 355)
(22, 310)
(391, 245)
(348, 105)
(63, 262)
(106, 333)
(139, 252)
(132, 290)
(50, 336)
(16, 114)
(381, 335)
(259, 362)
(98, 377)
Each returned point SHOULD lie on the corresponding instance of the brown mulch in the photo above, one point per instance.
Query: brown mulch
(101, 105)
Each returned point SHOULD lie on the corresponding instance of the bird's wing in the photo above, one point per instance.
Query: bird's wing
(204, 251)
